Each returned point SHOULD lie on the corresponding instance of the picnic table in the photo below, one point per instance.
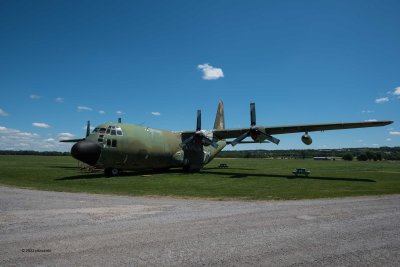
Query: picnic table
(301, 171)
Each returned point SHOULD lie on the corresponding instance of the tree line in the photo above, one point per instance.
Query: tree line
(32, 152)
(361, 154)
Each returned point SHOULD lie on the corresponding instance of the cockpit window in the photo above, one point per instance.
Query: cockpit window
(95, 130)
(119, 131)
(114, 130)
(102, 130)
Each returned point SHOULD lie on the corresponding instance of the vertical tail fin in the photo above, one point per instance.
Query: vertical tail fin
(219, 117)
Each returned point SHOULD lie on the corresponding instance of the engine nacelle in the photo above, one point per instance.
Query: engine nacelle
(306, 139)
(258, 138)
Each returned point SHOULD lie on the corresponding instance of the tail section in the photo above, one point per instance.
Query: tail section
(219, 124)
(220, 117)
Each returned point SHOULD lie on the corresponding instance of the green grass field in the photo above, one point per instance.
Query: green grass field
(244, 179)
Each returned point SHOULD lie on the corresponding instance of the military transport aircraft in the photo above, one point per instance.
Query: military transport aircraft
(120, 146)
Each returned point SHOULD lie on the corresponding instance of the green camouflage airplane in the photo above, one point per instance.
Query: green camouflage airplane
(120, 146)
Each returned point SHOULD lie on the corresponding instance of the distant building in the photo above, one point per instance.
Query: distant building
(321, 158)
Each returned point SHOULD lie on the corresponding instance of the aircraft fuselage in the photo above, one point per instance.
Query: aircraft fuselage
(121, 146)
(132, 147)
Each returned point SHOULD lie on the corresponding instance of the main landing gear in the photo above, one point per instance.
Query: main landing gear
(110, 172)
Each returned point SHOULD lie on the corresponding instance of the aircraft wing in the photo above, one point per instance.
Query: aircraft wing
(234, 133)
(262, 133)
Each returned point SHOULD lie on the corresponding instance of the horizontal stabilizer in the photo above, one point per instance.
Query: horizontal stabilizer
(72, 140)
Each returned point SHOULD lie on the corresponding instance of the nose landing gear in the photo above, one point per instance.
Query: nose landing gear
(110, 172)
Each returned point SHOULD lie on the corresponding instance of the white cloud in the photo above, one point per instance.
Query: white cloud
(102, 112)
(14, 135)
(397, 91)
(34, 96)
(6, 130)
(371, 120)
(59, 100)
(14, 139)
(120, 112)
(210, 73)
(25, 134)
(388, 139)
(63, 136)
(84, 108)
(367, 111)
(41, 125)
(3, 113)
(381, 100)
(156, 113)
(394, 133)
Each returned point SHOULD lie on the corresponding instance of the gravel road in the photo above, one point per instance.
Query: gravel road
(64, 229)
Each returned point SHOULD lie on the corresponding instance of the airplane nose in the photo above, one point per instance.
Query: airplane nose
(86, 151)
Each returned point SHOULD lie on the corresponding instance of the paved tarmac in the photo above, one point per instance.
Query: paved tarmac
(70, 229)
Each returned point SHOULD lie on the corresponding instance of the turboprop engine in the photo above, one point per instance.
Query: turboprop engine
(306, 139)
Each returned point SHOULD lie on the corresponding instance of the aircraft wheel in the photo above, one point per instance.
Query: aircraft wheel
(110, 172)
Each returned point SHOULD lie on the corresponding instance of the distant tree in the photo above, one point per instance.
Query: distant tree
(348, 157)
(392, 155)
(386, 153)
(362, 157)
(370, 155)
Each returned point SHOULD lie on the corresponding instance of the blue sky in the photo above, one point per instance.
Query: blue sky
(156, 62)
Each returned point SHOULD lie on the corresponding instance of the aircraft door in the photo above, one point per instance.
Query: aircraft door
(158, 153)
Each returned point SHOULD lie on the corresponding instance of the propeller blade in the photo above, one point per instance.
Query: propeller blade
(198, 125)
(240, 138)
(88, 128)
(207, 141)
(271, 138)
(187, 141)
(253, 114)
(80, 139)
(199, 137)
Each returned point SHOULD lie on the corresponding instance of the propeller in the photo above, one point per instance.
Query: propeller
(80, 139)
(87, 128)
(254, 132)
(199, 137)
